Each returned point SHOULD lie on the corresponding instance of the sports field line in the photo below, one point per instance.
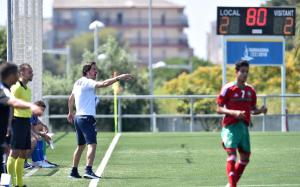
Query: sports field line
(32, 172)
(105, 159)
(258, 185)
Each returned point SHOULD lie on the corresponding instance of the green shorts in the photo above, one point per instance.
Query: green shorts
(236, 136)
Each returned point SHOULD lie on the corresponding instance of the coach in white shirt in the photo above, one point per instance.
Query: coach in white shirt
(85, 102)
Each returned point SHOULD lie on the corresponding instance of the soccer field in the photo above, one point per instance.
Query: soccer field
(176, 159)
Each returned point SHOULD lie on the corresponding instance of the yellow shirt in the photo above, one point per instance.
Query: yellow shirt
(19, 91)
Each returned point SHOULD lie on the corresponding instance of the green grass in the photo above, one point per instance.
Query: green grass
(65, 144)
(177, 159)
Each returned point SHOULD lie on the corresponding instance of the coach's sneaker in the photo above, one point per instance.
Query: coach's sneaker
(75, 175)
(90, 175)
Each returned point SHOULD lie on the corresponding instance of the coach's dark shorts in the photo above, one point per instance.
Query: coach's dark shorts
(85, 130)
(20, 133)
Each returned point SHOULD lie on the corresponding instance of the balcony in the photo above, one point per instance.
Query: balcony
(64, 25)
(143, 22)
(172, 42)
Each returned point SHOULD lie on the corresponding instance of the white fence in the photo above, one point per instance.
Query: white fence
(274, 121)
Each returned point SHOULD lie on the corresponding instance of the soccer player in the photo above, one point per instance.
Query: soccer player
(237, 101)
(20, 127)
(38, 137)
(9, 76)
(85, 102)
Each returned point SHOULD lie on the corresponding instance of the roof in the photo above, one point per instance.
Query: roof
(74, 4)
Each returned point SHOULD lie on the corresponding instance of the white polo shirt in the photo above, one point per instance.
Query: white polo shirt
(85, 96)
(5, 90)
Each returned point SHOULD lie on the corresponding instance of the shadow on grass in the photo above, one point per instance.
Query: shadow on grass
(60, 137)
(189, 158)
(46, 172)
(137, 178)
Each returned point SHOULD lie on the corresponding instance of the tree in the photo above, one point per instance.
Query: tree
(3, 47)
(85, 41)
(117, 59)
(208, 80)
(266, 80)
(161, 75)
(56, 64)
(291, 41)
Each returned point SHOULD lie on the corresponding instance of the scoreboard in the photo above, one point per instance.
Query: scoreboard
(256, 21)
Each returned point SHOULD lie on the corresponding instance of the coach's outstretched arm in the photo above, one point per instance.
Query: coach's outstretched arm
(108, 82)
(71, 101)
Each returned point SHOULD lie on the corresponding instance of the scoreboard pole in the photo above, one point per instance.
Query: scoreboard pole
(283, 98)
(224, 79)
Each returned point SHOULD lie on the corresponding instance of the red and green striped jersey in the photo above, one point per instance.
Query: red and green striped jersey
(234, 98)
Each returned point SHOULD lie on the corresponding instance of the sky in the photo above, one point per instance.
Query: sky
(200, 14)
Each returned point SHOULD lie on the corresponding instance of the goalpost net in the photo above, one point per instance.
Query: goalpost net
(27, 40)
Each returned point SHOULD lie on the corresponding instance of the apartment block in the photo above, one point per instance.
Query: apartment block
(214, 45)
(130, 19)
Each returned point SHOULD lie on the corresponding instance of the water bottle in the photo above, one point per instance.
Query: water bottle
(51, 144)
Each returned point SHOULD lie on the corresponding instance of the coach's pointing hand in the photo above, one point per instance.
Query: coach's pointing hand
(125, 77)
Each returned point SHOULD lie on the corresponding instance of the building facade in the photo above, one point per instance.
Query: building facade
(130, 19)
(214, 45)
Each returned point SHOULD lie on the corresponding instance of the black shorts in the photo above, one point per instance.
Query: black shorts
(3, 131)
(20, 133)
(85, 130)
(7, 140)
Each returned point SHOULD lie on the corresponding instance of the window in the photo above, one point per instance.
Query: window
(66, 16)
(120, 18)
(163, 19)
(139, 36)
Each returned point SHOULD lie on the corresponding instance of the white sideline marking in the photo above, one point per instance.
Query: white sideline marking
(105, 159)
(32, 172)
(259, 185)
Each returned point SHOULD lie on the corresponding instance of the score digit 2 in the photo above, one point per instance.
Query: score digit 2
(288, 25)
(223, 29)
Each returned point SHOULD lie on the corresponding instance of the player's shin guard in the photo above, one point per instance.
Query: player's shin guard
(239, 168)
(230, 169)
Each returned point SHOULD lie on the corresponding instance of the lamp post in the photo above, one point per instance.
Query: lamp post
(9, 31)
(96, 25)
(150, 58)
(67, 52)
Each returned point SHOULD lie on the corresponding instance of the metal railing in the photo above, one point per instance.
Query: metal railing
(159, 41)
(191, 115)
